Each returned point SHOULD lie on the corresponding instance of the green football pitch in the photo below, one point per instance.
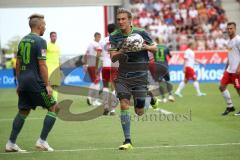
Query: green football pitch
(199, 131)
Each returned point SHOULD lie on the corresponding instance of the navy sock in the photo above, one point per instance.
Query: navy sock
(125, 121)
(48, 124)
(17, 126)
(153, 101)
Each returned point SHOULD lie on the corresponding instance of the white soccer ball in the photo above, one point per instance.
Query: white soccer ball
(133, 43)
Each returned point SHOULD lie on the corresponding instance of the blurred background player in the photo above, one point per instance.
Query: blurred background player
(232, 69)
(160, 73)
(33, 86)
(13, 61)
(109, 74)
(53, 63)
(189, 73)
(91, 60)
(132, 77)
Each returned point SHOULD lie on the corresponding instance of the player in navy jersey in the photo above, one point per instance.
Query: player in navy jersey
(132, 73)
(33, 86)
(160, 72)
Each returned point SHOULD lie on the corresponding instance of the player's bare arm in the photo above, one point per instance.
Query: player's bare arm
(199, 61)
(184, 64)
(85, 58)
(238, 69)
(115, 55)
(151, 48)
(98, 54)
(44, 74)
(226, 65)
(18, 64)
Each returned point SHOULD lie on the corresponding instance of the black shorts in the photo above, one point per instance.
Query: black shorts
(160, 72)
(30, 100)
(132, 84)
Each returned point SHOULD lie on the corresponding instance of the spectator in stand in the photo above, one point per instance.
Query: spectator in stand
(204, 16)
(210, 44)
(221, 43)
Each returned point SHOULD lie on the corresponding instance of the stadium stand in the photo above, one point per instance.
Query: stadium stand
(175, 22)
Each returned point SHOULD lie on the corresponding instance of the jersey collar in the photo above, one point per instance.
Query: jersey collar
(128, 33)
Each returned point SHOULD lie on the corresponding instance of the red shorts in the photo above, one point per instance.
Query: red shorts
(92, 74)
(230, 78)
(109, 74)
(190, 74)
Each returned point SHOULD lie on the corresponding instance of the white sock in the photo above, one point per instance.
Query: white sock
(105, 97)
(227, 98)
(114, 100)
(196, 86)
(180, 87)
(93, 91)
(112, 111)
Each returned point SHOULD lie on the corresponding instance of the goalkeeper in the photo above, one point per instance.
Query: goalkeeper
(53, 63)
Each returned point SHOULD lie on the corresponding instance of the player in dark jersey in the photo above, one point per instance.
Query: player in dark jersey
(160, 72)
(33, 86)
(132, 73)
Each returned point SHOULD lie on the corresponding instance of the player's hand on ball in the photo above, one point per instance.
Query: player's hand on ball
(145, 47)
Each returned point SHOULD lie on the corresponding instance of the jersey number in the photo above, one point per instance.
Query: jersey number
(160, 54)
(25, 52)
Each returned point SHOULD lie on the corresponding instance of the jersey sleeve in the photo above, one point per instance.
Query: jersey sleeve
(19, 50)
(42, 50)
(186, 55)
(98, 47)
(147, 38)
(113, 44)
(168, 52)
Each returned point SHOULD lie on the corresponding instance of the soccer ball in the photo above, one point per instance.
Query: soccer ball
(133, 43)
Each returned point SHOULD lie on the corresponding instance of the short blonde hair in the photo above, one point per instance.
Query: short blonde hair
(123, 10)
(34, 19)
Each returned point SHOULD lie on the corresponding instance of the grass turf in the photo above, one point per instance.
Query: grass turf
(206, 135)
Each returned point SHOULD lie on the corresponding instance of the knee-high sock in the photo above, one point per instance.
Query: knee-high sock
(113, 100)
(48, 123)
(105, 98)
(180, 87)
(17, 125)
(227, 97)
(169, 88)
(93, 91)
(125, 121)
(196, 86)
(161, 91)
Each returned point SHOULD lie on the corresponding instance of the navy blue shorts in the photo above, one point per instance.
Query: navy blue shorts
(160, 72)
(132, 84)
(30, 100)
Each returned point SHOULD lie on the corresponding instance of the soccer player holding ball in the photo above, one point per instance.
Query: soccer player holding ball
(133, 69)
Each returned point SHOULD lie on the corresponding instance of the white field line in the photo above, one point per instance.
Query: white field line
(146, 147)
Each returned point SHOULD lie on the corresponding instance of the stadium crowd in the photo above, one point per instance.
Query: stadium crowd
(175, 22)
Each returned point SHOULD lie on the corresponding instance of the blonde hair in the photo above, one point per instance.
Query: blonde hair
(35, 19)
(123, 10)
